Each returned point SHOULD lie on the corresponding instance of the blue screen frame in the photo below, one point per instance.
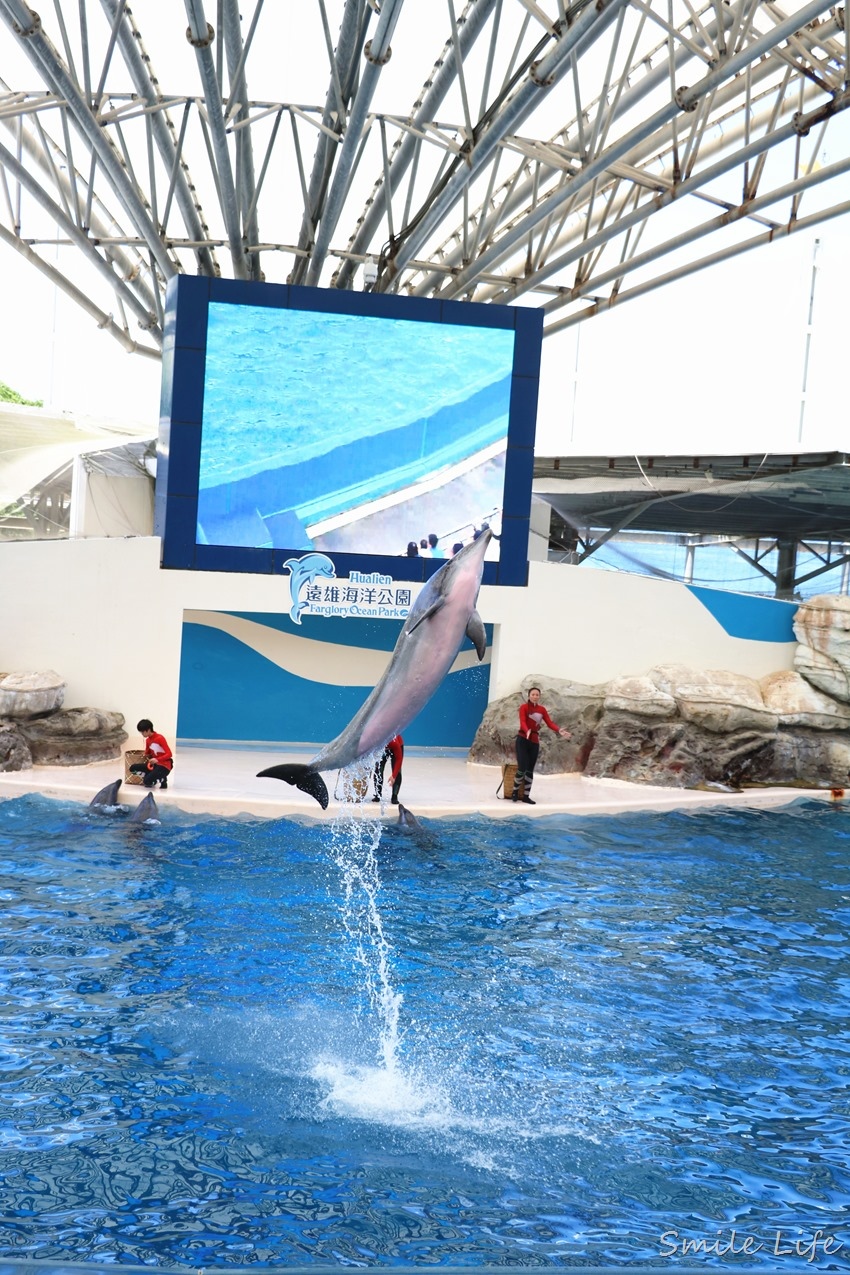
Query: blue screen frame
(188, 299)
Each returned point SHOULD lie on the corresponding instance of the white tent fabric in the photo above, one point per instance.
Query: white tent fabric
(35, 443)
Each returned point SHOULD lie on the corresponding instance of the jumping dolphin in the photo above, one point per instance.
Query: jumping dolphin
(147, 809)
(426, 648)
(107, 796)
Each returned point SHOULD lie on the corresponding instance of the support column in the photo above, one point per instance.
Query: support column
(786, 568)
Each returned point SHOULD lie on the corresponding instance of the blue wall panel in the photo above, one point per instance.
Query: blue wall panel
(742, 616)
(230, 691)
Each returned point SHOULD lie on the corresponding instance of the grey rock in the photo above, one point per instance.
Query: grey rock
(14, 750)
(570, 704)
(715, 699)
(805, 758)
(676, 754)
(822, 627)
(638, 695)
(24, 695)
(823, 623)
(797, 702)
(75, 737)
(824, 672)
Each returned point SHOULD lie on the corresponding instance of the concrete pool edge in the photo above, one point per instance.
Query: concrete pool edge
(224, 782)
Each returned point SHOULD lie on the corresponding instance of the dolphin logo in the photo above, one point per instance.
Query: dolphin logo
(426, 648)
(304, 571)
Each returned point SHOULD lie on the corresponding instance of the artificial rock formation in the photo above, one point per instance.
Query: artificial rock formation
(75, 737)
(35, 730)
(687, 728)
(24, 695)
(822, 629)
(570, 704)
(14, 749)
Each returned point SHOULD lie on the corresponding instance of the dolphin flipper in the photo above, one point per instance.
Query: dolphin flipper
(426, 615)
(107, 796)
(475, 633)
(302, 777)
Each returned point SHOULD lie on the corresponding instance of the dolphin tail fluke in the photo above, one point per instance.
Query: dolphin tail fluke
(301, 777)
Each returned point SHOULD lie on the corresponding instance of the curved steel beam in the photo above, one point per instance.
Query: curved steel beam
(355, 20)
(201, 35)
(79, 238)
(377, 52)
(518, 194)
(163, 130)
(749, 208)
(692, 267)
(103, 321)
(130, 267)
(541, 78)
(685, 100)
(470, 25)
(27, 25)
(244, 147)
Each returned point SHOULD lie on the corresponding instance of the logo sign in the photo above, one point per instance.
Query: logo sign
(315, 590)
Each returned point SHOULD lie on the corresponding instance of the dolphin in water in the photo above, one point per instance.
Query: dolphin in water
(146, 810)
(426, 648)
(107, 796)
(407, 819)
(304, 571)
(409, 826)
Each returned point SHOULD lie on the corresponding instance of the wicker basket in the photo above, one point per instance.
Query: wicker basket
(508, 777)
(131, 757)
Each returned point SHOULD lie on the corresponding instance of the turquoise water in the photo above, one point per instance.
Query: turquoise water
(543, 1042)
(285, 386)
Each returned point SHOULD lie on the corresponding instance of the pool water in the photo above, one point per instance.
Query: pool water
(261, 410)
(546, 1041)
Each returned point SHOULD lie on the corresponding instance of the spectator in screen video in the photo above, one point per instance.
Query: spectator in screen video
(434, 543)
(456, 548)
(424, 548)
(412, 549)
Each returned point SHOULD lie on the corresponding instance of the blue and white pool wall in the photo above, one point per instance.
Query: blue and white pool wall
(111, 622)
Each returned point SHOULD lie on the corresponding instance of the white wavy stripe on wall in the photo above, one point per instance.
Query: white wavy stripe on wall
(329, 663)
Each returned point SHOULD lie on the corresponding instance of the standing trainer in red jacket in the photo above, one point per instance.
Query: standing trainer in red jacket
(531, 714)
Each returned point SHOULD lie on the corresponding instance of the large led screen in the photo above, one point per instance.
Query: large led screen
(299, 419)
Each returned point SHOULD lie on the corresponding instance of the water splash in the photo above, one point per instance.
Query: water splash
(355, 837)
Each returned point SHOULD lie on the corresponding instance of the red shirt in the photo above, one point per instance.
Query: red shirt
(156, 749)
(530, 717)
(395, 748)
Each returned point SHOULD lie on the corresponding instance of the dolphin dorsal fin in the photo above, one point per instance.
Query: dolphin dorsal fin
(475, 633)
(435, 606)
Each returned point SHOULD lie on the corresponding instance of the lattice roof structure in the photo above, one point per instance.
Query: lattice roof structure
(566, 156)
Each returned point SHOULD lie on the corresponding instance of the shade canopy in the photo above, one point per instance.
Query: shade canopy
(803, 496)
